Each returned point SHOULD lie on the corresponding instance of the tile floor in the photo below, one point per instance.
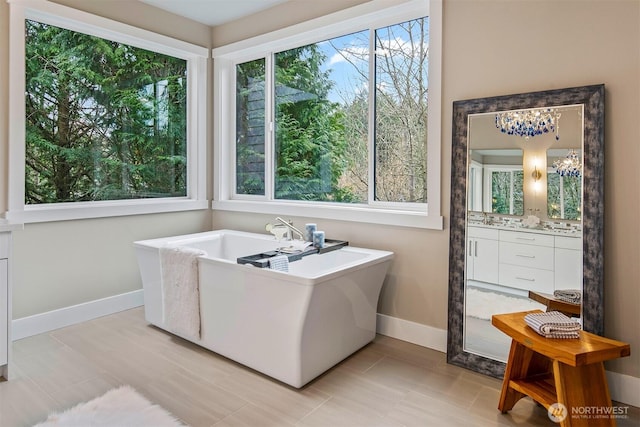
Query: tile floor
(387, 383)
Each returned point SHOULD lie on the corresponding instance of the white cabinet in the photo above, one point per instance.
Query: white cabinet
(4, 309)
(4, 302)
(523, 260)
(526, 261)
(482, 254)
(528, 279)
(568, 263)
(5, 295)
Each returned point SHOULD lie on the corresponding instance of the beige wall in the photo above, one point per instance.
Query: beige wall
(66, 263)
(586, 43)
(4, 103)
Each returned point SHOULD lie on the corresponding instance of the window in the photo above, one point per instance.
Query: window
(106, 125)
(250, 128)
(319, 98)
(401, 64)
(506, 192)
(564, 196)
(333, 121)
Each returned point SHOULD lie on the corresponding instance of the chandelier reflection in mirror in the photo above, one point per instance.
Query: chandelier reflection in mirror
(569, 166)
(528, 123)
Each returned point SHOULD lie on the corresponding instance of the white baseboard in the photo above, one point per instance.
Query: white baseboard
(45, 322)
(415, 333)
(622, 388)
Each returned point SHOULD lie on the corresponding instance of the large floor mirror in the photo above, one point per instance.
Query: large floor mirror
(527, 212)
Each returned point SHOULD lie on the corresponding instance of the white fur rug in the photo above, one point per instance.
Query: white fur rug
(484, 304)
(121, 407)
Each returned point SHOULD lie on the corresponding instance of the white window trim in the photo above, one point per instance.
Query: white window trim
(550, 171)
(374, 13)
(488, 187)
(76, 20)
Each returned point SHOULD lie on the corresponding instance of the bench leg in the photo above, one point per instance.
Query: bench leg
(585, 393)
(522, 363)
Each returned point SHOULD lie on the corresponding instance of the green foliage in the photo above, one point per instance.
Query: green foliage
(507, 195)
(321, 148)
(310, 138)
(250, 127)
(564, 197)
(105, 120)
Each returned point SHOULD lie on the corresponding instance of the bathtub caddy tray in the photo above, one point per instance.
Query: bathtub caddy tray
(261, 260)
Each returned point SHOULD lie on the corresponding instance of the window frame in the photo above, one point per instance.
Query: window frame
(372, 15)
(561, 194)
(79, 21)
(487, 184)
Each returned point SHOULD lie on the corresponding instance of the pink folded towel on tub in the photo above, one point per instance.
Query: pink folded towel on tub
(181, 292)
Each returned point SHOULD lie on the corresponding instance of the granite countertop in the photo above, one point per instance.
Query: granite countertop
(552, 232)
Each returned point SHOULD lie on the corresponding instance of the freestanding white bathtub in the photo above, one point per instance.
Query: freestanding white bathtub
(291, 326)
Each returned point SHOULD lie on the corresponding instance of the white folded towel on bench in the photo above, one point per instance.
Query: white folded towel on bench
(553, 324)
(573, 296)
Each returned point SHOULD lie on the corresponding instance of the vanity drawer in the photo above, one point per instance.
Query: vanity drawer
(574, 243)
(483, 233)
(527, 255)
(4, 245)
(530, 279)
(526, 238)
(4, 347)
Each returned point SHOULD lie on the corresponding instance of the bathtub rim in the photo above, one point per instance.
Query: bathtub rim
(375, 256)
(159, 242)
(309, 280)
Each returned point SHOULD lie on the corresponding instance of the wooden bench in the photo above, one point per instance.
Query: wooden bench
(566, 375)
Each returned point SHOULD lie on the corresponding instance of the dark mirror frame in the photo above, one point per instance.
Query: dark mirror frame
(592, 97)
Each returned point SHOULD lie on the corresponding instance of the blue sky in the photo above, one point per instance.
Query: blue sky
(350, 51)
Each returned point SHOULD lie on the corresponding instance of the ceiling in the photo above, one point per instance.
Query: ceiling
(213, 12)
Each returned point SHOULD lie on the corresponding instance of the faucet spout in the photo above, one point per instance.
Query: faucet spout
(289, 225)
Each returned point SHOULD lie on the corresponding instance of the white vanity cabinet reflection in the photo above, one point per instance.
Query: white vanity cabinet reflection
(482, 254)
(4, 302)
(523, 260)
(526, 261)
(568, 262)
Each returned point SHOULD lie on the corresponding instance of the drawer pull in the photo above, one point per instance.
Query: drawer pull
(525, 256)
(525, 278)
(531, 239)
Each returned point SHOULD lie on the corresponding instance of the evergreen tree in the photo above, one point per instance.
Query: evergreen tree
(105, 120)
(310, 142)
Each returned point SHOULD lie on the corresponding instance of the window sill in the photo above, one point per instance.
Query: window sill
(364, 214)
(113, 208)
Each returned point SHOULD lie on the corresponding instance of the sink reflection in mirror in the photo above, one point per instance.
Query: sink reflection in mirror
(523, 225)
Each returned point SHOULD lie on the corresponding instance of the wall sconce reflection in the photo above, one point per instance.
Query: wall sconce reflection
(536, 174)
